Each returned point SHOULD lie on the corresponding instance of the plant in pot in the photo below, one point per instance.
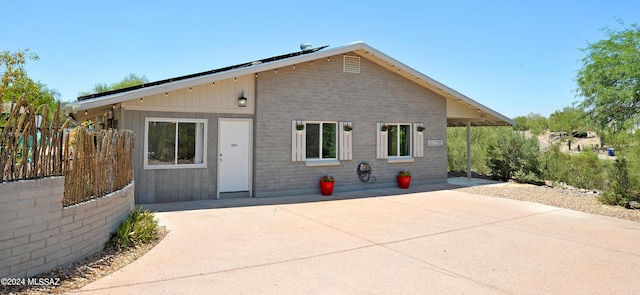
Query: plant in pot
(348, 128)
(404, 179)
(420, 128)
(299, 128)
(326, 185)
(384, 128)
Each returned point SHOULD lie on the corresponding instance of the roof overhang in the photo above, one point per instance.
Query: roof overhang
(461, 110)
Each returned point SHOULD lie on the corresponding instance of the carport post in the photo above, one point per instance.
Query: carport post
(469, 149)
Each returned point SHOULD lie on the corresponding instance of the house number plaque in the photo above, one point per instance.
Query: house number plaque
(435, 142)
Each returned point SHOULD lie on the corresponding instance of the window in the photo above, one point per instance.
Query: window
(321, 141)
(316, 143)
(175, 143)
(399, 140)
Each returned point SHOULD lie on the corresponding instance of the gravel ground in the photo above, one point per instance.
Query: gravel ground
(83, 272)
(562, 197)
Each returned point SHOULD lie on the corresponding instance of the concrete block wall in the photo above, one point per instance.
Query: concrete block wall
(322, 91)
(37, 234)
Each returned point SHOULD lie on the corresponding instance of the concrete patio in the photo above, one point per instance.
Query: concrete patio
(430, 239)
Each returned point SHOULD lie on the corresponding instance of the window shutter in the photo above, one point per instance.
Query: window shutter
(418, 140)
(345, 138)
(298, 141)
(381, 142)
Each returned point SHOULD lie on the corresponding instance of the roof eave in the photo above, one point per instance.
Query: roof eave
(360, 48)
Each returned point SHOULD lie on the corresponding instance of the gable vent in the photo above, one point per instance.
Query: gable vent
(352, 64)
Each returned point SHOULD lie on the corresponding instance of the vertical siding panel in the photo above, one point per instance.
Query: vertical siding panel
(207, 176)
(150, 186)
(350, 142)
(175, 96)
(345, 139)
(302, 140)
(164, 100)
(177, 179)
(341, 143)
(211, 96)
(158, 186)
(212, 176)
(184, 96)
(198, 96)
(226, 93)
(169, 185)
(132, 120)
(221, 98)
(298, 141)
(418, 141)
(294, 141)
(203, 185)
(189, 182)
(197, 179)
(217, 94)
(383, 142)
(181, 188)
(206, 94)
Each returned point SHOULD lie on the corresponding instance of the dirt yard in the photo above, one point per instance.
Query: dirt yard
(578, 144)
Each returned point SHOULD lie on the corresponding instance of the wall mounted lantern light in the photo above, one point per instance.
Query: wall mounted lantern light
(242, 101)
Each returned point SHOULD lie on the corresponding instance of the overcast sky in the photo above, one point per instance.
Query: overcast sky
(514, 58)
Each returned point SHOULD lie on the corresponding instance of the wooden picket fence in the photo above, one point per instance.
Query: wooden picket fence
(93, 163)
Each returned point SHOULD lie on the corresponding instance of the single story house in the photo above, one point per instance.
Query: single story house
(273, 127)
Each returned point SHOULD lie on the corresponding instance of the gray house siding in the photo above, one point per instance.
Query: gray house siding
(172, 185)
(322, 91)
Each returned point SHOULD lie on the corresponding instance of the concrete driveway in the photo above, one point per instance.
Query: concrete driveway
(438, 241)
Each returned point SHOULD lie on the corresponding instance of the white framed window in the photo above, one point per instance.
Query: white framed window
(171, 143)
(321, 141)
(399, 140)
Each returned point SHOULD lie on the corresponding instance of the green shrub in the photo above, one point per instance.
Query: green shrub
(632, 154)
(138, 228)
(523, 177)
(620, 189)
(481, 137)
(513, 153)
(587, 171)
(584, 170)
(554, 164)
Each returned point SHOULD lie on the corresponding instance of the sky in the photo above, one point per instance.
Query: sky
(515, 57)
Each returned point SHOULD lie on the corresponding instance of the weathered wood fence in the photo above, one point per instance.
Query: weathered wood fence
(29, 151)
(93, 163)
(98, 163)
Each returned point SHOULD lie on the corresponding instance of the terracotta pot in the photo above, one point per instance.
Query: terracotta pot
(326, 188)
(404, 181)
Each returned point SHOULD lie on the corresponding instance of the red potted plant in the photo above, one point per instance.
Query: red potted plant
(326, 185)
(404, 179)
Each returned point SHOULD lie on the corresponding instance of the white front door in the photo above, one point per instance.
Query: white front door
(234, 155)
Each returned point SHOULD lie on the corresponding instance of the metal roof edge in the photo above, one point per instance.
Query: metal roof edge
(253, 67)
(446, 88)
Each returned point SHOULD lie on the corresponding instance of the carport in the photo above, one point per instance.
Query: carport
(463, 111)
